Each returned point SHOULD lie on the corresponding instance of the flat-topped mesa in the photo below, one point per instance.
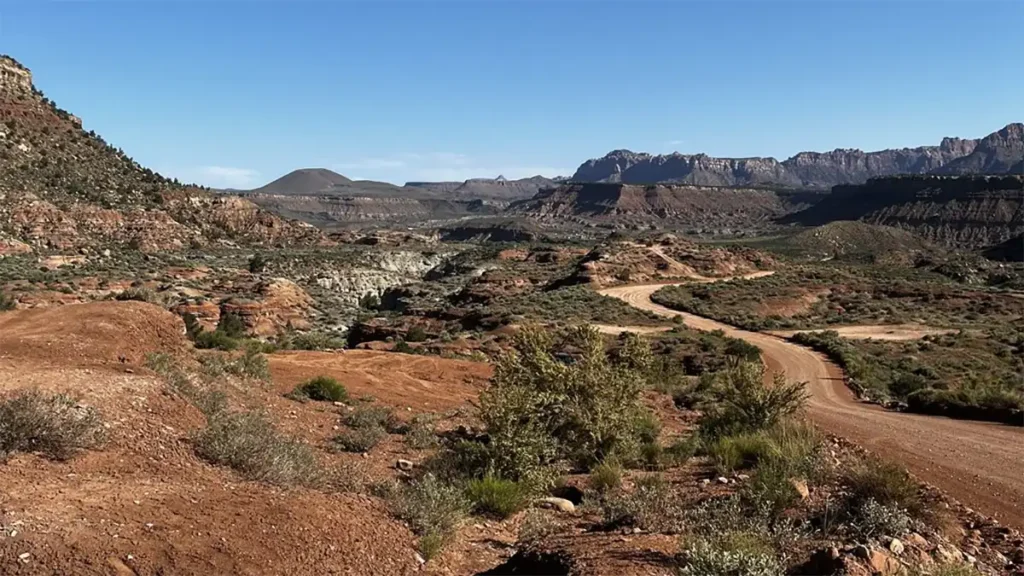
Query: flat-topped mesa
(14, 76)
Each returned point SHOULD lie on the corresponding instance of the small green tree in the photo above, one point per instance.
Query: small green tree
(541, 410)
(232, 325)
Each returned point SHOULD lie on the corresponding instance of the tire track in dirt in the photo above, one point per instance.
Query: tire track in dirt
(978, 463)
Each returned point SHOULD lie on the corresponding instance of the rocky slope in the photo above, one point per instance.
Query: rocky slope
(995, 154)
(998, 153)
(967, 211)
(857, 241)
(697, 208)
(62, 187)
(333, 212)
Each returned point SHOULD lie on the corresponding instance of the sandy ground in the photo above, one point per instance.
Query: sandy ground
(892, 332)
(143, 503)
(980, 464)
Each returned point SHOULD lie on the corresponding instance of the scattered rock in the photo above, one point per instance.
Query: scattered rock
(948, 555)
(722, 480)
(558, 503)
(405, 465)
(419, 559)
(917, 540)
(895, 546)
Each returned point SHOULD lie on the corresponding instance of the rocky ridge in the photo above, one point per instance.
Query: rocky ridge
(62, 187)
(994, 154)
(699, 209)
(966, 211)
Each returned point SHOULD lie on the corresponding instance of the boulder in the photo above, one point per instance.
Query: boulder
(557, 503)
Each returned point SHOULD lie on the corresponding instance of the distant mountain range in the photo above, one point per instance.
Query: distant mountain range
(1001, 152)
(323, 182)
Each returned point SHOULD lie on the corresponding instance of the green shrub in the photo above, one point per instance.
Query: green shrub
(606, 476)
(52, 425)
(720, 557)
(749, 405)
(216, 340)
(496, 497)
(730, 453)
(540, 410)
(433, 509)
(232, 325)
(248, 443)
(788, 451)
(681, 450)
(311, 341)
(463, 460)
(651, 456)
(648, 427)
(321, 389)
(252, 365)
(537, 525)
(650, 506)
(416, 334)
(420, 434)
(886, 483)
(361, 439)
(372, 417)
(7, 302)
(161, 363)
(872, 520)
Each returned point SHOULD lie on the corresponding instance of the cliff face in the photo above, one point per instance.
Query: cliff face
(64, 188)
(1001, 152)
(994, 154)
(698, 208)
(641, 168)
(823, 170)
(967, 211)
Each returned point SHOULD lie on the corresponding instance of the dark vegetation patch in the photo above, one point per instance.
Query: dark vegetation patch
(845, 295)
(969, 374)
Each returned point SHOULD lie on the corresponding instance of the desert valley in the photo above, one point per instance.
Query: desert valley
(659, 364)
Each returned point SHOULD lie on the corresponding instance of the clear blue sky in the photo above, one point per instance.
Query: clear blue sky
(236, 93)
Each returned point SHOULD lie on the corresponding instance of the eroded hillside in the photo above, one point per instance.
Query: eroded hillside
(968, 211)
(63, 187)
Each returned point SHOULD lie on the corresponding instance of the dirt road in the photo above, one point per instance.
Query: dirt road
(980, 464)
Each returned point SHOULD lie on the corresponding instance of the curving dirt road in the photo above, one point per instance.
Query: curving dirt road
(980, 464)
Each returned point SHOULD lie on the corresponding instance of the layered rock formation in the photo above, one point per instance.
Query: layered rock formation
(994, 154)
(967, 211)
(697, 208)
(63, 188)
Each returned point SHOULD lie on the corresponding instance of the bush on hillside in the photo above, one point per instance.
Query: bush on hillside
(496, 497)
(321, 389)
(53, 425)
(248, 443)
(541, 410)
(748, 404)
(433, 509)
